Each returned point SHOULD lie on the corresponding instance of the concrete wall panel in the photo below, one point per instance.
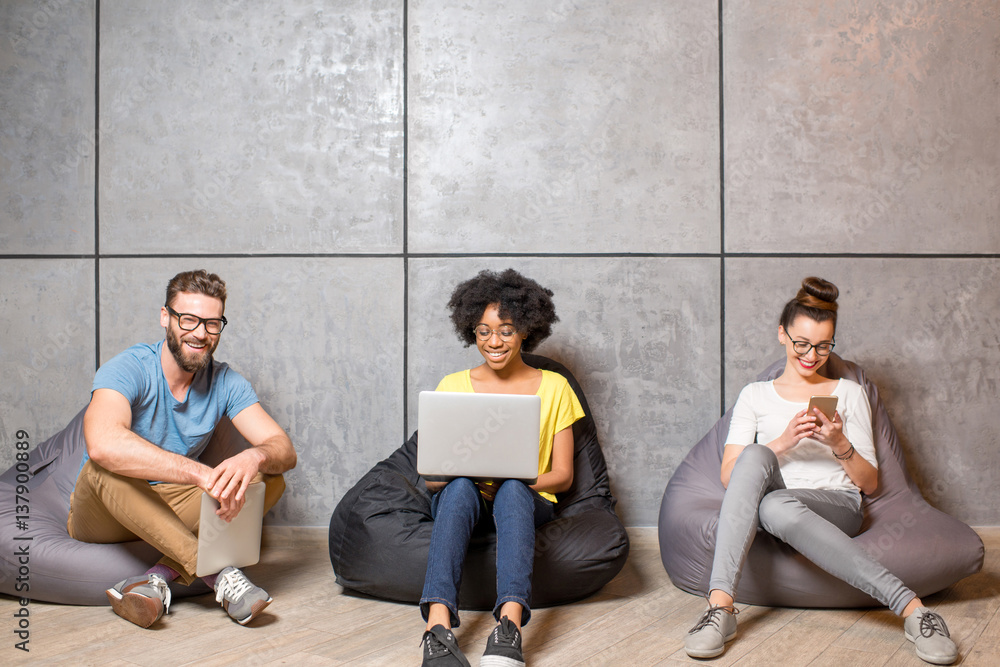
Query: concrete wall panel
(46, 347)
(47, 74)
(563, 127)
(251, 127)
(862, 127)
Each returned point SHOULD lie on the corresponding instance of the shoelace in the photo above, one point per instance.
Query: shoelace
(504, 635)
(160, 584)
(232, 584)
(434, 645)
(931, 624)
(711, 617)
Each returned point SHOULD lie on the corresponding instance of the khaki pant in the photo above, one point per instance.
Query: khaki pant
(106, 508)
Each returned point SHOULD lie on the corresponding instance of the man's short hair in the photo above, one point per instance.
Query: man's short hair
(196, 282)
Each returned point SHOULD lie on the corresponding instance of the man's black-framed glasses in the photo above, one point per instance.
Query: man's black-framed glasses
(802, 347)
(189, 322)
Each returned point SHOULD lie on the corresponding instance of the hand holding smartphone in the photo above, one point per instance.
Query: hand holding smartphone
(826, 404)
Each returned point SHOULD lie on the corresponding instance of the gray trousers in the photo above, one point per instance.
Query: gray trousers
(817, 523)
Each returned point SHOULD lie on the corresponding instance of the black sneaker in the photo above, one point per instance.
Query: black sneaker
(503, 648)
(441, 649)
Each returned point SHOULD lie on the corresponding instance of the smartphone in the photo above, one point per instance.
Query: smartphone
(826, 404)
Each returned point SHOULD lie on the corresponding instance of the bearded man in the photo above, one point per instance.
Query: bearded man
(152, 411)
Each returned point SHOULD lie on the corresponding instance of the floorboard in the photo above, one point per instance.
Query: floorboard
(638, 619)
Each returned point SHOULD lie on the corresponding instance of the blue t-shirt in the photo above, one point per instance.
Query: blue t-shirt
(182, 427)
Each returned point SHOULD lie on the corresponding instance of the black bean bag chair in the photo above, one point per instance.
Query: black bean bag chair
(927, 549)
(59, 568)
(380, 531)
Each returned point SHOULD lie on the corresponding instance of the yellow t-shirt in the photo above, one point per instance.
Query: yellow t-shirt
(560, 409)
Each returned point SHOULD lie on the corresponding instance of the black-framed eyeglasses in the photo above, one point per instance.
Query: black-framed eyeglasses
(484, 333)
(802, 347)
(189, 322)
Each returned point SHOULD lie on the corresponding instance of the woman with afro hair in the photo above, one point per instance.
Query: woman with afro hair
(502, 314)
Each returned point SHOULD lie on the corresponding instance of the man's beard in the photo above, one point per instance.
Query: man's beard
(189, 365)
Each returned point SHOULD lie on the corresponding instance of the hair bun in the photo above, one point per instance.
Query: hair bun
(818, 293)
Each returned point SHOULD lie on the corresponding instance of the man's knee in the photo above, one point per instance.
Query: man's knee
(274, 488)
(96, 491)
(90, 519)
(94, 478)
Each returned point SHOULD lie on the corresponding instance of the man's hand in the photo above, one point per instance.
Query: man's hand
(271, 453)
(228, 481)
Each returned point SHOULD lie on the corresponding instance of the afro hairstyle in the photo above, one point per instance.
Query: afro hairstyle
(524, 302)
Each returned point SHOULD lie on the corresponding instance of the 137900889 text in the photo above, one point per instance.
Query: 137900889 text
(22, 542)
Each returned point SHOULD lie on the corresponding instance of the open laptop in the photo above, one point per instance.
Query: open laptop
(236, 543)
(482, 436)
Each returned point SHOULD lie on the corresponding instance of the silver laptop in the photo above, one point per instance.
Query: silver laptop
(236, 543)
(483, 436)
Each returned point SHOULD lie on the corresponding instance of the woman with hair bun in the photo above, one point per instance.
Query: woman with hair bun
(800, 477)
(502, 314)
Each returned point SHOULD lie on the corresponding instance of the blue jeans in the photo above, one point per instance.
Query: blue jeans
(517, 510)
(817, 523)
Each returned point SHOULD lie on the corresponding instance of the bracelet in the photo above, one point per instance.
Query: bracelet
(846, 456)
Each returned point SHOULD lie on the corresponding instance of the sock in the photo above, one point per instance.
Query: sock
(210, 580)
(167, 573)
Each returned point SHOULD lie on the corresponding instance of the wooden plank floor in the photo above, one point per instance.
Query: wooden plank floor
(638, 619)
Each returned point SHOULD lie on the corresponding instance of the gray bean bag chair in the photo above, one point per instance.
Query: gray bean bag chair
(59, 568)
(380, 531)
(927, 549)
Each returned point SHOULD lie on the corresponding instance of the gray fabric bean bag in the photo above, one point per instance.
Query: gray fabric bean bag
(59, 568)
(380, 531)
(927, 549)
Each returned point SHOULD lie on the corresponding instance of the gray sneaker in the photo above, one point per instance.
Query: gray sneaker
(930, 637)
(142, 599)
(239, 597)
(709, 635)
